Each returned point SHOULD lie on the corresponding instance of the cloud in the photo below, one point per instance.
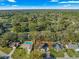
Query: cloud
(19, 7)
(14, 5)
(54, 1)
(11, 1)
(68, 5)
(31, 7)
(69, 2)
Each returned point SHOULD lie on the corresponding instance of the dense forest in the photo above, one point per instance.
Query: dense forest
(54, 25)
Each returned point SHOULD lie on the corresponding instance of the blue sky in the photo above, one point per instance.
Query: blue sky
(39, 4)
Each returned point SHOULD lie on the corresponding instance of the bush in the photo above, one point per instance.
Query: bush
(57, 54)
(71, 52)
(77, 54)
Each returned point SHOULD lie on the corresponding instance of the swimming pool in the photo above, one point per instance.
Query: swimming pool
(28, 42)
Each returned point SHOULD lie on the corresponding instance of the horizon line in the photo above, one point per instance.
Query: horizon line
(42, 9)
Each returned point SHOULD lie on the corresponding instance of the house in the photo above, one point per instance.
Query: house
(23, 35)
(58, 46)
(73, 46)
(27, 45)
(13, 43)
(45, 47)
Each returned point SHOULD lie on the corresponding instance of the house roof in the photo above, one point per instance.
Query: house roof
(73, 46)
(45, 45)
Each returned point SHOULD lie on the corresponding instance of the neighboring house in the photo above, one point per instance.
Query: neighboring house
(12, 44)
(73, 46)
(27, 45)
(22, 35)
(58, 46)
(44, 47)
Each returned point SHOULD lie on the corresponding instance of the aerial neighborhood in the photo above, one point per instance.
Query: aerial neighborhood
(39, 34)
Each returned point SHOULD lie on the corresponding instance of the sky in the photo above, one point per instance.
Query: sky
(39, 4)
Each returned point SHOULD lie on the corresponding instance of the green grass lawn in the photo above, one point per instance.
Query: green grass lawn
(77, 54)
(6, 49)
(20, 54)
(57, 54)
(36, 54)
(72, 53)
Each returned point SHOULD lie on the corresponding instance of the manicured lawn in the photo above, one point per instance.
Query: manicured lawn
(71, 52)
(20, 54)
(57, 54)
(77, 54)
(5, 49)
(36, 54)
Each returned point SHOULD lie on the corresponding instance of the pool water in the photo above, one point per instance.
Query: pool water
(28, 42)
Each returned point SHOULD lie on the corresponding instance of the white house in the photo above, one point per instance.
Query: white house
(73, 46)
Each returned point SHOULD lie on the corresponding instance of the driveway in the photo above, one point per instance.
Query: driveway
(10, 54)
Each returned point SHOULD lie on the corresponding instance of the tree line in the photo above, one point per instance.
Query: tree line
(54, 25)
